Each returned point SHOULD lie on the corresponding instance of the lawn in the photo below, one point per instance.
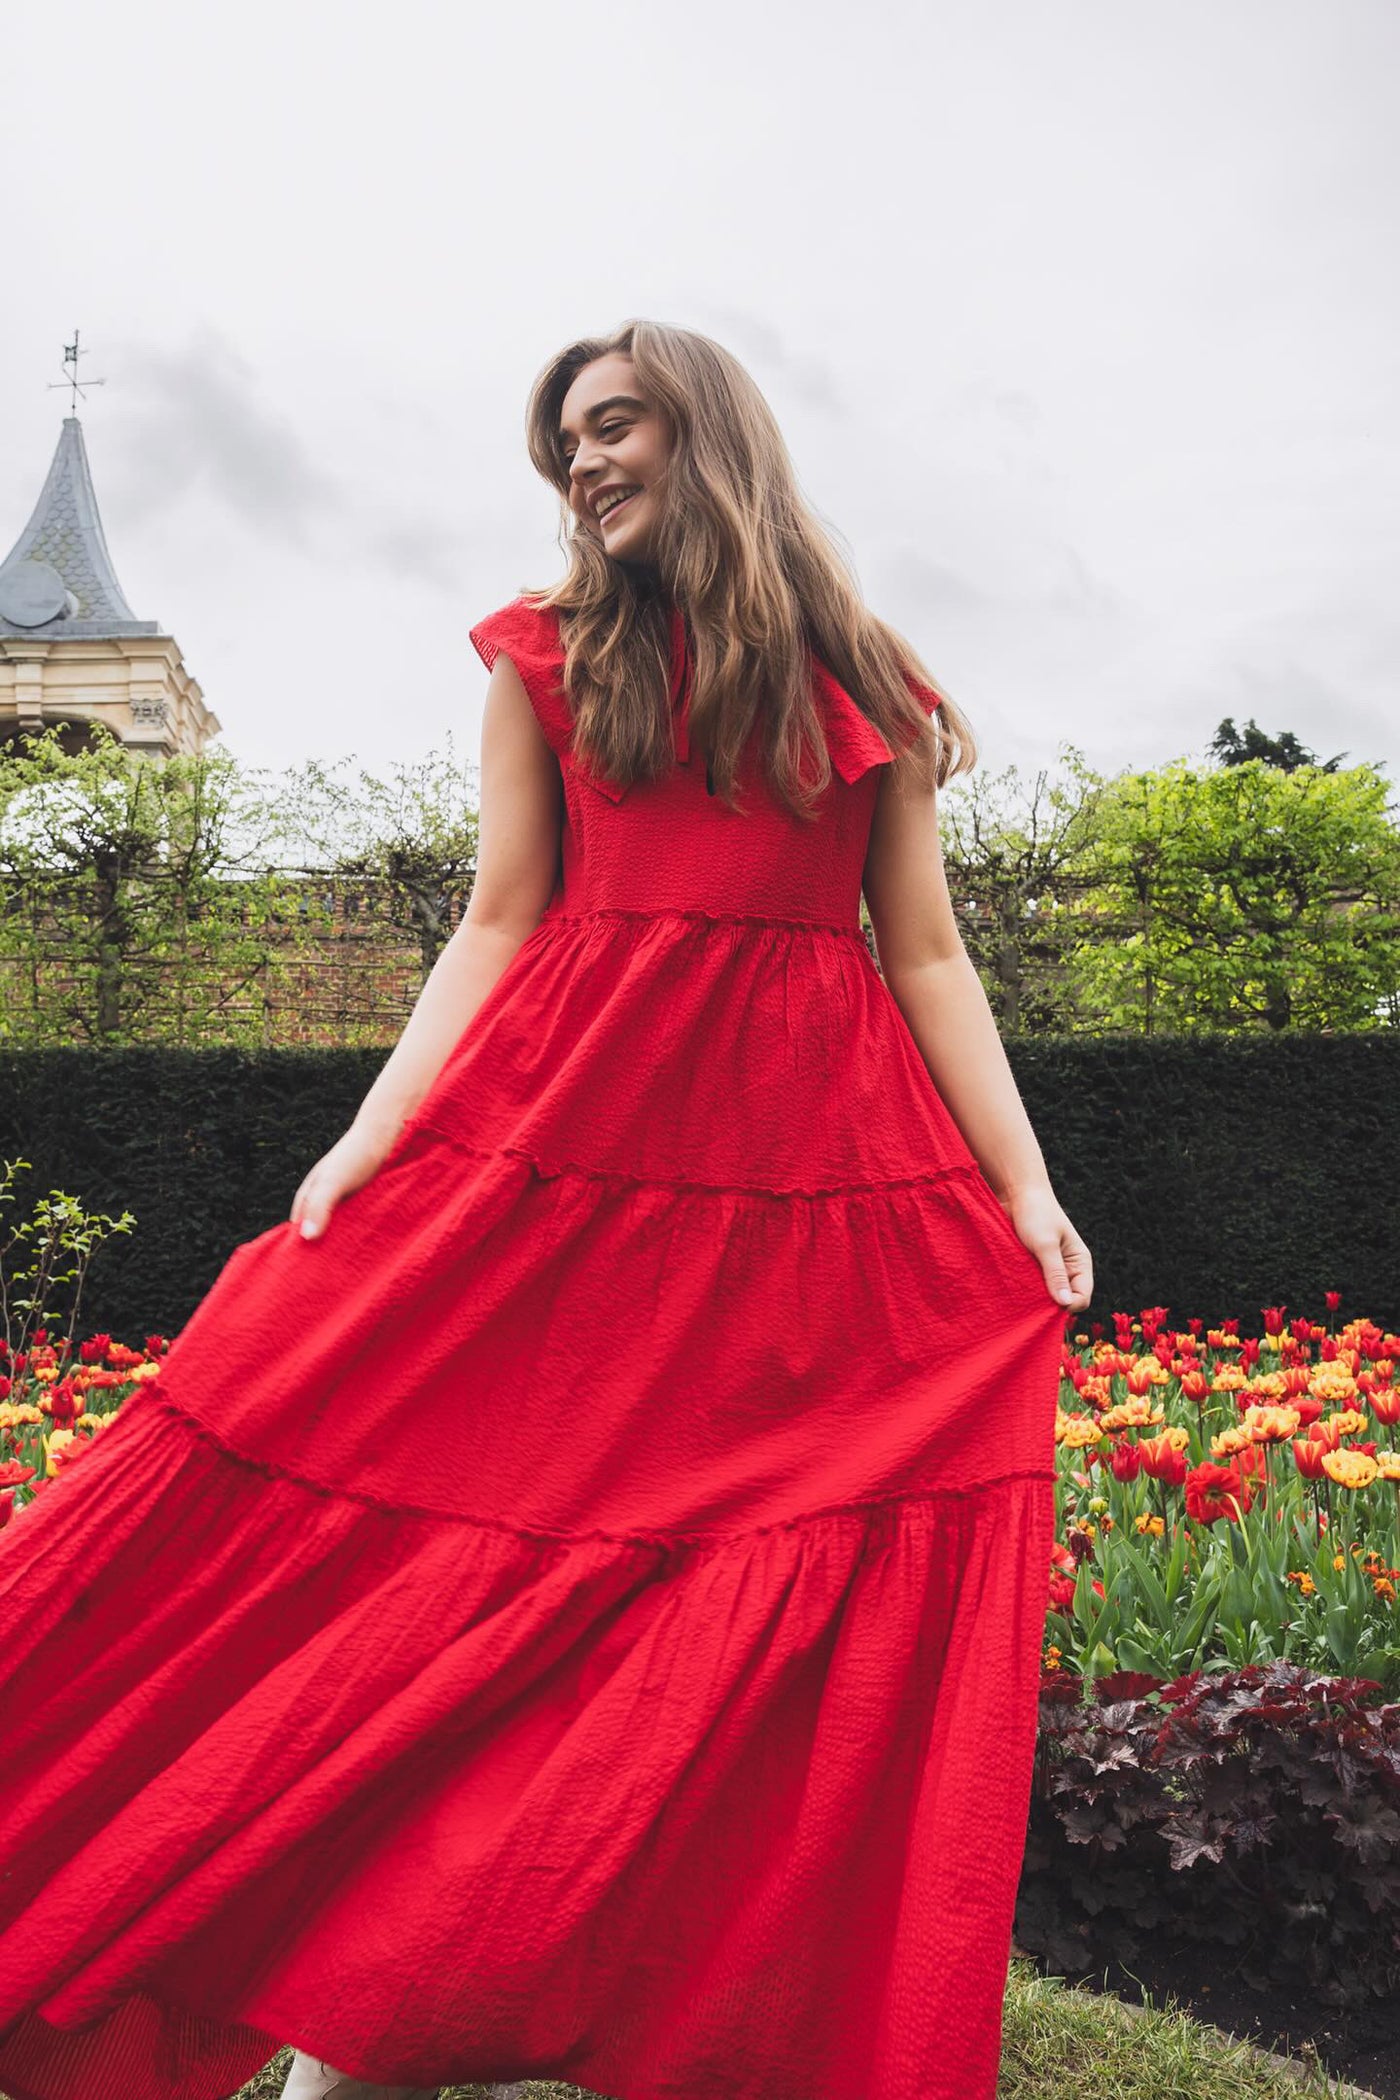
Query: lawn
(1062, 2044)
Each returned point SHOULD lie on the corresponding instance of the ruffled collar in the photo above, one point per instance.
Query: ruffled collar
(853, 741)
(855, 744)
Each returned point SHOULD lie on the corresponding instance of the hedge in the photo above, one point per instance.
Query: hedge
(1210, 1174)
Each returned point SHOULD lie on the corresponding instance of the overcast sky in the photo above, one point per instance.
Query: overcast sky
(1080, 320)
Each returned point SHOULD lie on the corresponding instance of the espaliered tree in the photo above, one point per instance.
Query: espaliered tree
(114, 865)
(410, 839)
(1018, 860)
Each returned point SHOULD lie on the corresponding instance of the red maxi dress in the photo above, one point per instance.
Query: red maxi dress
(581, 1616)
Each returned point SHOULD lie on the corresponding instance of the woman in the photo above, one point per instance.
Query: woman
(571, 1603)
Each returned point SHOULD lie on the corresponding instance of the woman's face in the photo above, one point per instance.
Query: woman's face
(613, 442)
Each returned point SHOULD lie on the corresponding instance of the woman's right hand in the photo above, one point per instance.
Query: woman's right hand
(351, 1162)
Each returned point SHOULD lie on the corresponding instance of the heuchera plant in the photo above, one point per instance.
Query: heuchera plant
(1256, 1810)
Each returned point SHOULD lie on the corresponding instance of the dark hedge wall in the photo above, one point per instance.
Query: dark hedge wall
(1212, 1175)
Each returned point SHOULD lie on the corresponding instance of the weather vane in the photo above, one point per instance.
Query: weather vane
(71, 354)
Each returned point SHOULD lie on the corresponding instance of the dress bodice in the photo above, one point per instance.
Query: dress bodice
(672, 844)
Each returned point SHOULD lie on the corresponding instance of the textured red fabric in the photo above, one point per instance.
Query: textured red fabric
(581, 1616)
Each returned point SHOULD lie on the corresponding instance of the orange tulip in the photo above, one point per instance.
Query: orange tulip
(1164, 1456)
(1308, 1457)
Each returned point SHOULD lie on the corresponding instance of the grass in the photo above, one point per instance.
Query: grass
(1062, 2044)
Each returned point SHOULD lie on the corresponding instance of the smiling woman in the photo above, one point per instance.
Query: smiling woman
(570, 1604)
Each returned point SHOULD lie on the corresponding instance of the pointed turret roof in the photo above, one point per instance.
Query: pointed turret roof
(58, 580)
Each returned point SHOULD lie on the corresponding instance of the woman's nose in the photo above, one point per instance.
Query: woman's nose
(582, 473)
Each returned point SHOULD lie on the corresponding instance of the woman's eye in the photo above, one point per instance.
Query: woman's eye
(605, 430)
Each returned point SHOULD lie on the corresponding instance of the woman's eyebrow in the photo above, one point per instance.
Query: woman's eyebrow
(591, 415)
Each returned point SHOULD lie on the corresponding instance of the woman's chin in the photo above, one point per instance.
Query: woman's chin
(640, 558)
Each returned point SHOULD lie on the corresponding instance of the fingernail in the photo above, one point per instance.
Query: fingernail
(308, 1230)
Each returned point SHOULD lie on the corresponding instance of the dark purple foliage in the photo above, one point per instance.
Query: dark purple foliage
(1257, 1810)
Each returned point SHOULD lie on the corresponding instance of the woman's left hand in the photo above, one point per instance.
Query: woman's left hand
(1045, 1231)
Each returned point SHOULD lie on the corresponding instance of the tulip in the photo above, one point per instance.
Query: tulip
(1164, 1457)
(57, 1449)
(1308, 1457)
(1213, 1492)
(1350, 1469)
(1271, 1425)
(1126, 1460)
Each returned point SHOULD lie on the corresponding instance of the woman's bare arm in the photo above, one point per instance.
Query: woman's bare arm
(518, 846)
(932, 980)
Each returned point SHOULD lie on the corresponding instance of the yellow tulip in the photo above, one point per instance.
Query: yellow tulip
(1271, 1425)
(55, 1441)
(1350, 1469)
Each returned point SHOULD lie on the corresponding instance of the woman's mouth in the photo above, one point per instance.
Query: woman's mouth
(613, 509)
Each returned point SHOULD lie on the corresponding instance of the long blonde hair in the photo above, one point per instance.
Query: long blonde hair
(759, 580)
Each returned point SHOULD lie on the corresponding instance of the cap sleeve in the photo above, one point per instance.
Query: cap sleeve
(852, 740)
(927, 698)
(529, 636)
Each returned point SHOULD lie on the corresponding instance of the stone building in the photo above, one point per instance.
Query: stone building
(72, 652)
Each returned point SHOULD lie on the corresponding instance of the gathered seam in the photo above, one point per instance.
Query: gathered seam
(707, 918)
(527, 1534)
(556, 1170)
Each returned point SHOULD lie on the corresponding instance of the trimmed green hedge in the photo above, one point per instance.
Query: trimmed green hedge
(1213, 1175)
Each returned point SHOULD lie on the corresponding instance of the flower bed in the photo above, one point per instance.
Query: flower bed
(1227, 1499)
(1219, 1765)
(54, 1401)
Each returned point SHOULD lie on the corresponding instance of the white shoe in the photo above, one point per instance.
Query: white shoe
(311, 2078)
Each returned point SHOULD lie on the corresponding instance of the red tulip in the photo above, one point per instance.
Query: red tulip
(1213, 1492)
(1126, 1460)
